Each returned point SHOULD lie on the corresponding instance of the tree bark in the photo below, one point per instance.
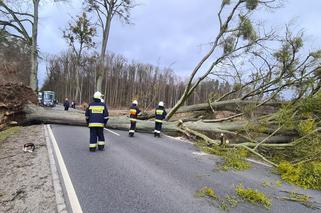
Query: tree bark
(100, 73)
(34, 52)
(35, 114)
(234, 105)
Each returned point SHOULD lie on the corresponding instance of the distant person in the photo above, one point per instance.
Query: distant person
(73, 105)
(96, 118)
(134, 111)
(160, 115)
(66, 104)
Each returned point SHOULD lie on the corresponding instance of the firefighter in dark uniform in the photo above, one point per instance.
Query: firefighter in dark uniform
(134, 111)
(160, 115)
(97, 117)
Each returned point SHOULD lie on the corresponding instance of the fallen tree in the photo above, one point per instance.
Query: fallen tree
(36, 114)
(233, 105)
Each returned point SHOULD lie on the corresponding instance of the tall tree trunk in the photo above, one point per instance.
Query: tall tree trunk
(77, 84)
(34, 52)
(100, 74)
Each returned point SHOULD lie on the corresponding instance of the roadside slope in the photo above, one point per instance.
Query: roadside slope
(25, 178)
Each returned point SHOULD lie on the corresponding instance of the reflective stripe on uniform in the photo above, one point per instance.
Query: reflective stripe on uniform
(131, 131)
(97, 109)
(158, 121)
(132, 111)
(92, 145)
(159, 112)
(106, 117)
(101, 143)
(96, 125)
(133, 119)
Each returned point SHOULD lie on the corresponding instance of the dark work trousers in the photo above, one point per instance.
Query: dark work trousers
(158, 127)
(132, 126)
(96, 132)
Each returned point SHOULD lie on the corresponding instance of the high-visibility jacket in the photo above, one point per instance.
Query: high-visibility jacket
(97, 114)
(134, 111)
(160, 114)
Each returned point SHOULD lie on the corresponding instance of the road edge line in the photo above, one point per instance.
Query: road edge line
(60, 200)
(112, 132)
(72, 196)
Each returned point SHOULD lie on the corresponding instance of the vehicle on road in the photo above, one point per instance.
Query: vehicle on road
(47, 98)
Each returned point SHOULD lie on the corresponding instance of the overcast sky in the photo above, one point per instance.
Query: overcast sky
(168, 32)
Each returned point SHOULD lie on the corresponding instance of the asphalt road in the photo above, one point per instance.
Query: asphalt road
(144, 174)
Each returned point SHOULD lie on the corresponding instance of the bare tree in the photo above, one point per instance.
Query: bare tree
(14, 21)
(235, 36)
(106, 10)
(79, 36)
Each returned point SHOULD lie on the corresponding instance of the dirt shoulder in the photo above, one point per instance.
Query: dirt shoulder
(25, 178)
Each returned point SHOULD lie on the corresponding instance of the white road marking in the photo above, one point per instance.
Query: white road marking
(73, 199)
(115, 133)
(205, 154)
(200, 153)
(180, 139)
(60, 201)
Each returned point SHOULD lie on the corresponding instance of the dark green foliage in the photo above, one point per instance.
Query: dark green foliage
(207, 192)
(226, 2)
(307, 175)
(235, 159)
(253, 196)
(229, 44)
(252, 4)
(316, 54)
(80, 33)
(246, 29)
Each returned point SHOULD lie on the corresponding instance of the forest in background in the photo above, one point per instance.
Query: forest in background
(124, 81)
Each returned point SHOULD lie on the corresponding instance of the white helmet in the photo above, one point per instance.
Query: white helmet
(98, 95)
(161, 104)
(135, 102)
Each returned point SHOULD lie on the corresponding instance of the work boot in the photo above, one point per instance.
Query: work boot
(91, 149)
(131, 134)
(155, 134)
(101, 147)
(158, 135)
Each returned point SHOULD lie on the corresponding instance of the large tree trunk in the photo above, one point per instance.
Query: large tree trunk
(34, 52)
(100, 73)
(35, 114)
(234, 105)
(76, 98)
(177, 105)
